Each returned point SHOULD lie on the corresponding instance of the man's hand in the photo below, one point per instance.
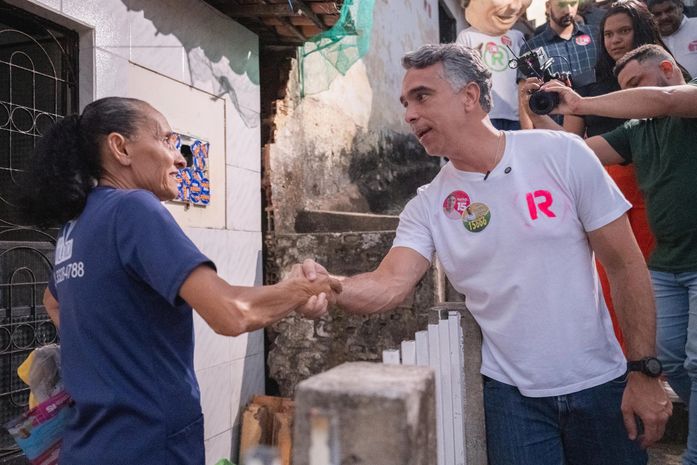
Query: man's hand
(644, 397)
(569, 101)
(317, 305)
(526, 89)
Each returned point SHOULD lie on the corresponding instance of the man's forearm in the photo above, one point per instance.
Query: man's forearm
(368, 293)
(643, 102)
(634, 304)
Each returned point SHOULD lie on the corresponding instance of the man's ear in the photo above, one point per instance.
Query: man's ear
(667, 67)
(469, 96)
(115, 145)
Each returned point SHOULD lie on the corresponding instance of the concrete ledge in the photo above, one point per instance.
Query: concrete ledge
(309, 221)
(373, 414)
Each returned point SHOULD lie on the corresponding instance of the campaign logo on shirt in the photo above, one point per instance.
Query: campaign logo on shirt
(692, 46)
(583, 40)
(496, 58)
(64, 245)
(476, 217)
(455, 203)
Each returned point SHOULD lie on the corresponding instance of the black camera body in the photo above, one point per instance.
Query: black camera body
(535, 63)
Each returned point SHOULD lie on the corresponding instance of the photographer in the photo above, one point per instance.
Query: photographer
(661, 144)
(573, 46)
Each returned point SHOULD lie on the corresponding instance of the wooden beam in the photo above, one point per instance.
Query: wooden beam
(282, 9)
(307, 11)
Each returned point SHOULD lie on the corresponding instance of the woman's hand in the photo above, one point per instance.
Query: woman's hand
(320, 286)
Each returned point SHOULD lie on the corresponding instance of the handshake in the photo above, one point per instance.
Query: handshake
(319, 288)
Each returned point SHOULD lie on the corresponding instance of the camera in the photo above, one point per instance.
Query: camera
(535, 63)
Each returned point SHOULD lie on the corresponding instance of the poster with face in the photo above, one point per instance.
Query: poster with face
(494, 17)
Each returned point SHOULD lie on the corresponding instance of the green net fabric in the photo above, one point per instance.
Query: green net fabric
(333, 52)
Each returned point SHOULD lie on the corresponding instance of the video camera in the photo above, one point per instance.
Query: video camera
(535, 63)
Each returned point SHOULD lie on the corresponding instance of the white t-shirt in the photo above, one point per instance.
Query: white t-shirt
(496, 56)
(516, 246)
(683, 44)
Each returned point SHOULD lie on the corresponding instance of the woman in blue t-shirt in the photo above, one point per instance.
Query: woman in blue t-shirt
(125, 280)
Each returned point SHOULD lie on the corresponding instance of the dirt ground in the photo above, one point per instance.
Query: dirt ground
(666, 454)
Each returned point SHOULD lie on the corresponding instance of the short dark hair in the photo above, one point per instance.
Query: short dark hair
(461, 64)
(642, 54)
(652, 3)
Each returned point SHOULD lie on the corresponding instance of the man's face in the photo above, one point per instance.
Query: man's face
(668, 16)
(495, 17)
(433, 110)
(646, 74)
(562, 12)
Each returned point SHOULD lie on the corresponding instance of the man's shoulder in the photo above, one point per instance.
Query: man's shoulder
(538, 40)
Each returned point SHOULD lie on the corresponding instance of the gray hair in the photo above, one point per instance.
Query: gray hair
(462, 65)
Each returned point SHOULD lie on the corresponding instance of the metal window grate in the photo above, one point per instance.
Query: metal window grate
(38, 86)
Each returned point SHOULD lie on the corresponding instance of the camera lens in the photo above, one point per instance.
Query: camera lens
(542, 103)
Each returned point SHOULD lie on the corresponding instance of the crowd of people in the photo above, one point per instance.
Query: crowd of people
(517, 221)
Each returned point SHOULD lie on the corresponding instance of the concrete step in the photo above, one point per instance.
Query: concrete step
(314, 221)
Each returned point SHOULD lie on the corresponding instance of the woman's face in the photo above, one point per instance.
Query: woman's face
(155, 161)
(618, 36)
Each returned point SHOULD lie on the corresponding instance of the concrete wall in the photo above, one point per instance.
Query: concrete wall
(347, 148)
(191, 43)
(300, 348)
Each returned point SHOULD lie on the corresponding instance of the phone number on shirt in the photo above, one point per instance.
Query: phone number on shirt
(70, 270)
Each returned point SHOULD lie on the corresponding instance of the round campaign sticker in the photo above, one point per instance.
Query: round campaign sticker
(476, 217)
(196, 148)
(186, 176)
(205, 184)
(204, 148)
(455, 203)
(195, 191)
(199, 162)
(205, 197)
(584, 40)
(183, 193)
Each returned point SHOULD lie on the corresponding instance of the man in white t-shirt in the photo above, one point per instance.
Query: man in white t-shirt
(534, 207)
(678, 31)
(490, 33)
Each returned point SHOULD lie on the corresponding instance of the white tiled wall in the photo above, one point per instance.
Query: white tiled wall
(190, 42)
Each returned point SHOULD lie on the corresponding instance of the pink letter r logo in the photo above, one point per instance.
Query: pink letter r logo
(542, 204)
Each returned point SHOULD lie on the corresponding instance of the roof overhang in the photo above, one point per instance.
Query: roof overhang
(282, 22)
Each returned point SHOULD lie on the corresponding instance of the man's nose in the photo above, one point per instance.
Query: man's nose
(410, 115)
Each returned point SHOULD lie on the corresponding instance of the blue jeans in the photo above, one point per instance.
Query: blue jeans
(676, 340)
(583, 428)
(505, 124)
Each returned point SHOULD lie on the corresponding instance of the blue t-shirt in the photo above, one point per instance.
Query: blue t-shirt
(126, 337)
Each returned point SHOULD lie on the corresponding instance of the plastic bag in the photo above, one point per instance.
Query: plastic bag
(39, 431)
(41, 371)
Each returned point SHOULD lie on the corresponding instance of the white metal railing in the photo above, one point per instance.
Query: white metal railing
(441, 347)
